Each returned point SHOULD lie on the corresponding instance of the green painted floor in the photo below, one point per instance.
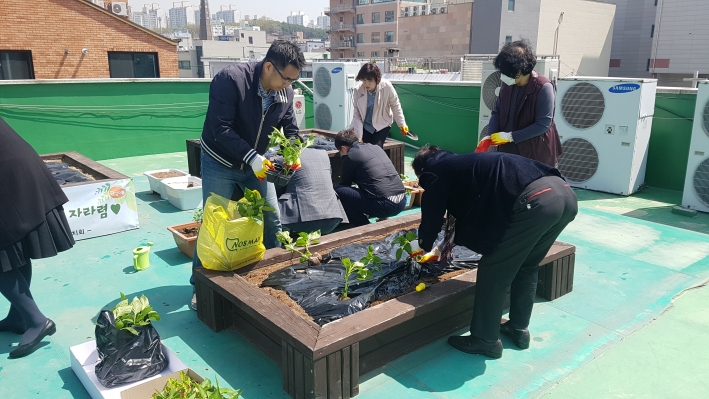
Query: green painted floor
(629, 329)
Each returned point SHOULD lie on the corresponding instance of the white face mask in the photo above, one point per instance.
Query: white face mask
(507, 80)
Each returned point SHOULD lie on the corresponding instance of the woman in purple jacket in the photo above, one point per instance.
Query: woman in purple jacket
(523, 118)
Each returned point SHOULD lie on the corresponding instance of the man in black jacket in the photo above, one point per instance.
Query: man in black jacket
(380, 192)
(509, 209)
(246, 101)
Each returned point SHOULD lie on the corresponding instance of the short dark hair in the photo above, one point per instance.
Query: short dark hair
(345, 137)
(516, 57)
(369, 71)
(422, 156)
(283, 53)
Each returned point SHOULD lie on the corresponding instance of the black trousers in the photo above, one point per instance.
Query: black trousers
(359, 208)
(540, 214)
(376, 138)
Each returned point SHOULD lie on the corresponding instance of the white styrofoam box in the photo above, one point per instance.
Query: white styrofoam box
(181, 196)
(83, 361)
(155, 184)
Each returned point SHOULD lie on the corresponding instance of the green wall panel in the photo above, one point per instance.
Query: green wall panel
(668, 153)
(121, 119)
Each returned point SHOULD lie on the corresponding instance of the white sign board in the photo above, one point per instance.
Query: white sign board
(299, 110)
(101, 208)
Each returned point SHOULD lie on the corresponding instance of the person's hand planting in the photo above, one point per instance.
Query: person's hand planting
(501, 138)
(260, 165)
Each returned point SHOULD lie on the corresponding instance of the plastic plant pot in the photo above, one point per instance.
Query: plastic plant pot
(277, 178)
(156, 182)
(185, 192)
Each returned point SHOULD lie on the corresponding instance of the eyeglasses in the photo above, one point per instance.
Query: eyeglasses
(287, 80)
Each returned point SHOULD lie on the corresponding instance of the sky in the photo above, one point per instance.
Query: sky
(275, 9)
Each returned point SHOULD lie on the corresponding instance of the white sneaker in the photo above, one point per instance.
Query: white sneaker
(193, 303)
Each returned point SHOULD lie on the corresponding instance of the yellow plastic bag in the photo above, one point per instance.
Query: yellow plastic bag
(228, 241)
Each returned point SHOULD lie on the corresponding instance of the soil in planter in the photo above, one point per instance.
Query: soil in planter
(317, 289)
(64, 174)
(190, 185)
(165, 175)
(189, 231)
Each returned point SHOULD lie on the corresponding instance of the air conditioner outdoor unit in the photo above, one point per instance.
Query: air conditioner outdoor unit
(425, 9)
(119, 8)
(442, 10)
(434, 10)
(406, 14)
(333, 85)
(100, 3)
(604, 125)
(491, 85)
(696, 183)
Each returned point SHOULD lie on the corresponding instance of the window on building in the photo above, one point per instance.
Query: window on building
(360, 38)
(389, 16)
(360, 54)
(242, 35)
(360, 18)
(375, 53)
(655, 2)
(183, 64)
(652, 31)
(342, 19)
(16, 65)
(363, 2)
(342, 55)
(376, 37)
(376, 17)
(389, 36)
(648, 65)
(508, 39)
(510, 5)
(133, 65)
(251, 40)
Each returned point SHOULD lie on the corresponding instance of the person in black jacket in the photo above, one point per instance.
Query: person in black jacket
(246, 101)
(509, 209)
(380, 192)
(32, 226)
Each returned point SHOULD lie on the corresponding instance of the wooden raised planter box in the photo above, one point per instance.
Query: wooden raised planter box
(394, 149)
(327, 361)
(86, 165)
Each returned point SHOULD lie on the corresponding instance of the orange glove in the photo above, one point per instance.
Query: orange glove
(404, 130)
(484, 144)
(259, 165)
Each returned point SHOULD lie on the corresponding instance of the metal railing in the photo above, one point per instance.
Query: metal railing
(341, 27)
(338, 9)
(445, 64)
(341, 45)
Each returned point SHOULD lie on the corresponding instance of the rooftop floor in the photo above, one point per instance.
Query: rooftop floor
(632, 327)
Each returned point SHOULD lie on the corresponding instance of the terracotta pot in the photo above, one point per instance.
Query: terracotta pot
(185, 244)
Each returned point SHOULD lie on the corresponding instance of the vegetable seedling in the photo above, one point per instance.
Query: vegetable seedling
(357, 268)
(304, 240)
(136, 314)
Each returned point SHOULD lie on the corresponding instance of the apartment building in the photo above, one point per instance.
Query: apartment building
(579, 31)
(665, 39)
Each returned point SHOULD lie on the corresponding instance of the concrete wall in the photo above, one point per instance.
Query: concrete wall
(523, 22)
(437, 35)
(632, 43)
(73, 25)
(681, 37)
(585, 36)
(117, 118)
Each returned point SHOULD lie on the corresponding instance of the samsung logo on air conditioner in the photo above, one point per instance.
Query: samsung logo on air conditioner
(337, 70)
(624, 88)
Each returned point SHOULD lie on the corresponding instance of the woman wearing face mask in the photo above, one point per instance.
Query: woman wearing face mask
(376, 106)
(524, 112)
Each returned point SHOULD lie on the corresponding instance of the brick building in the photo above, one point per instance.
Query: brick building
(77, 39)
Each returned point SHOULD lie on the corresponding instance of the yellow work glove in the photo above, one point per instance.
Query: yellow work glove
(431, 256)
(259, 165)
(404, 130)
(415, 249)
(501, 138)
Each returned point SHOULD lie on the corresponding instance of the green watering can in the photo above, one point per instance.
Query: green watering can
(141, 257)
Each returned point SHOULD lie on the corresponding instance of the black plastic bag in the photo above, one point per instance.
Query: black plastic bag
(125, 357)
(317, 289)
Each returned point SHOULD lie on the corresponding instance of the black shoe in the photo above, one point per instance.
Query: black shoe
(14, 328)
(519, 337)
(476, 346)
(23, 350)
